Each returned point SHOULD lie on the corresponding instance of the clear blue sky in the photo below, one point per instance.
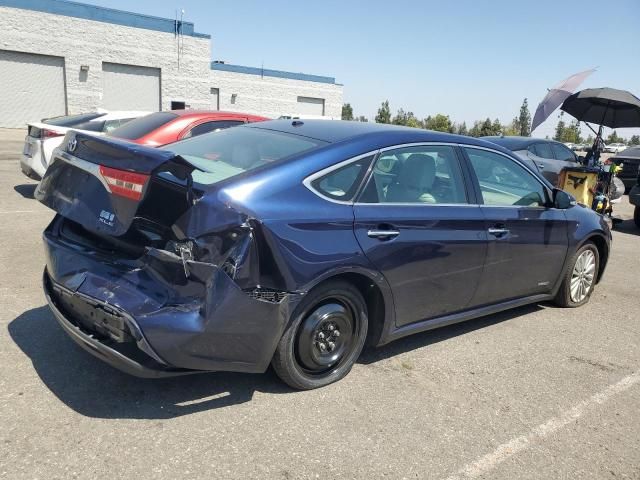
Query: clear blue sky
(468, 59)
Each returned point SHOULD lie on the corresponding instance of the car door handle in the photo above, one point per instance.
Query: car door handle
(541, 166)
(498, 232)
(382, 234)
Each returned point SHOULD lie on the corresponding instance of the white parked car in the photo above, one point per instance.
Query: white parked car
(615, 147)
(43, 137)
(295, 116)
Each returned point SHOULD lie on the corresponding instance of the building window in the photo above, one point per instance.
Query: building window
(310, 106)
(215, 98)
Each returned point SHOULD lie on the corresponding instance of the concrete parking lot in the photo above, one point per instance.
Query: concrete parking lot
(538, 392)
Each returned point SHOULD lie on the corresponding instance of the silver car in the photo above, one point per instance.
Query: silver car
(546, 156)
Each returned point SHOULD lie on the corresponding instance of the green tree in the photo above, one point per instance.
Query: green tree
(476, 130)
(560, 128)
(400, 118)
(496, 127)
(614, 138)
(439, 123)
(384, 113)
(572, 133)
(512, 129)
(487, 128)
(362, 118)
(407, 119)
(347, 112)
(523, 123)
(461, 129)
(634, 140)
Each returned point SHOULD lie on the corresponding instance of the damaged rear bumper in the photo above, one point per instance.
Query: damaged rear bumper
(140, 321)
(107, 352)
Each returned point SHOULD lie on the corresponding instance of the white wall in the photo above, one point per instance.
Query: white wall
(88, 42)
(272, 96)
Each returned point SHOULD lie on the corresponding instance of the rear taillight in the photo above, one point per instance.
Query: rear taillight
(123, 183)
(50, 133)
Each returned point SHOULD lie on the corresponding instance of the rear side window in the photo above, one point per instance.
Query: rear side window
(342, 184)
(142, 126)
(543, 150)
(212, 127)
(90, 126)
(561, 152)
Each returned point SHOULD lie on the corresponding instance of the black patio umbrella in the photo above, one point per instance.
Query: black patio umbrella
(604, 106)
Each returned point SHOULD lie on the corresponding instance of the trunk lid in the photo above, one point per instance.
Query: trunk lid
(105, 185)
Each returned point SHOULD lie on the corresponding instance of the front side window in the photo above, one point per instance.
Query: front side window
(503, 182)
(428, 174)
(562, 153)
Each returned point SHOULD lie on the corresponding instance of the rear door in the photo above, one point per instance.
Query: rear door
(416, 224)
(542, 155)
(527, 239)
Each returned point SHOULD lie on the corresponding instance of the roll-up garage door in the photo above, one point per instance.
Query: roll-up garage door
(31, 88)
(310, 106)
(130, 87)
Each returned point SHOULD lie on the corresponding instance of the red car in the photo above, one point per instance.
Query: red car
(170, 126)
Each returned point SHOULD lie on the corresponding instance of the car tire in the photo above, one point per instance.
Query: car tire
(579, 278)
(636, 216)
(324, 338)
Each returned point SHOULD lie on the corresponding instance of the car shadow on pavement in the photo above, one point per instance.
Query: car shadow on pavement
(26, 189)
(423, 339)
(94, 389)
(628, 227)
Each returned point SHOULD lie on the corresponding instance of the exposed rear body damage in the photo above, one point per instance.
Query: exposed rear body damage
(203, 322)
(122, 269)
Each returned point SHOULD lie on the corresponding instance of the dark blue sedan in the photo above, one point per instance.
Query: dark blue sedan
(295, 243)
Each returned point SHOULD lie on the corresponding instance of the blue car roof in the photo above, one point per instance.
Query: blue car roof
(334, 131)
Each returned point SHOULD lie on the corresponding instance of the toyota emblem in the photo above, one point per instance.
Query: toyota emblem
(71, 146)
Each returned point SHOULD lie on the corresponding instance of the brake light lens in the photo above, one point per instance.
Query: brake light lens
(51, 134)
(124, 184)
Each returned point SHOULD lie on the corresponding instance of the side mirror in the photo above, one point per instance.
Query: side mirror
(562, 199)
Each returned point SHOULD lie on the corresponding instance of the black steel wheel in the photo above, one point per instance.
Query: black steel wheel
(324, 338)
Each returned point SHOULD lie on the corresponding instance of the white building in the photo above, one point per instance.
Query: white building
(59, 57)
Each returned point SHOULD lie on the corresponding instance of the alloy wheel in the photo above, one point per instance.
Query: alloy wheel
(582, 276)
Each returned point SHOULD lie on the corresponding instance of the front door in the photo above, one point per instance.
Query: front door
(527, 240)
(415, 224)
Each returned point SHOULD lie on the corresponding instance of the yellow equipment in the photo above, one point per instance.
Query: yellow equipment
(580, 182)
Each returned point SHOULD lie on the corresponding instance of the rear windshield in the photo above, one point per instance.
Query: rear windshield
(90, 126)
(225, 153)
(71, 120)
(142, 126)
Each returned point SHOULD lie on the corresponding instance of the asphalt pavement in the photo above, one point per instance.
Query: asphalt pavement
(537, 392)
